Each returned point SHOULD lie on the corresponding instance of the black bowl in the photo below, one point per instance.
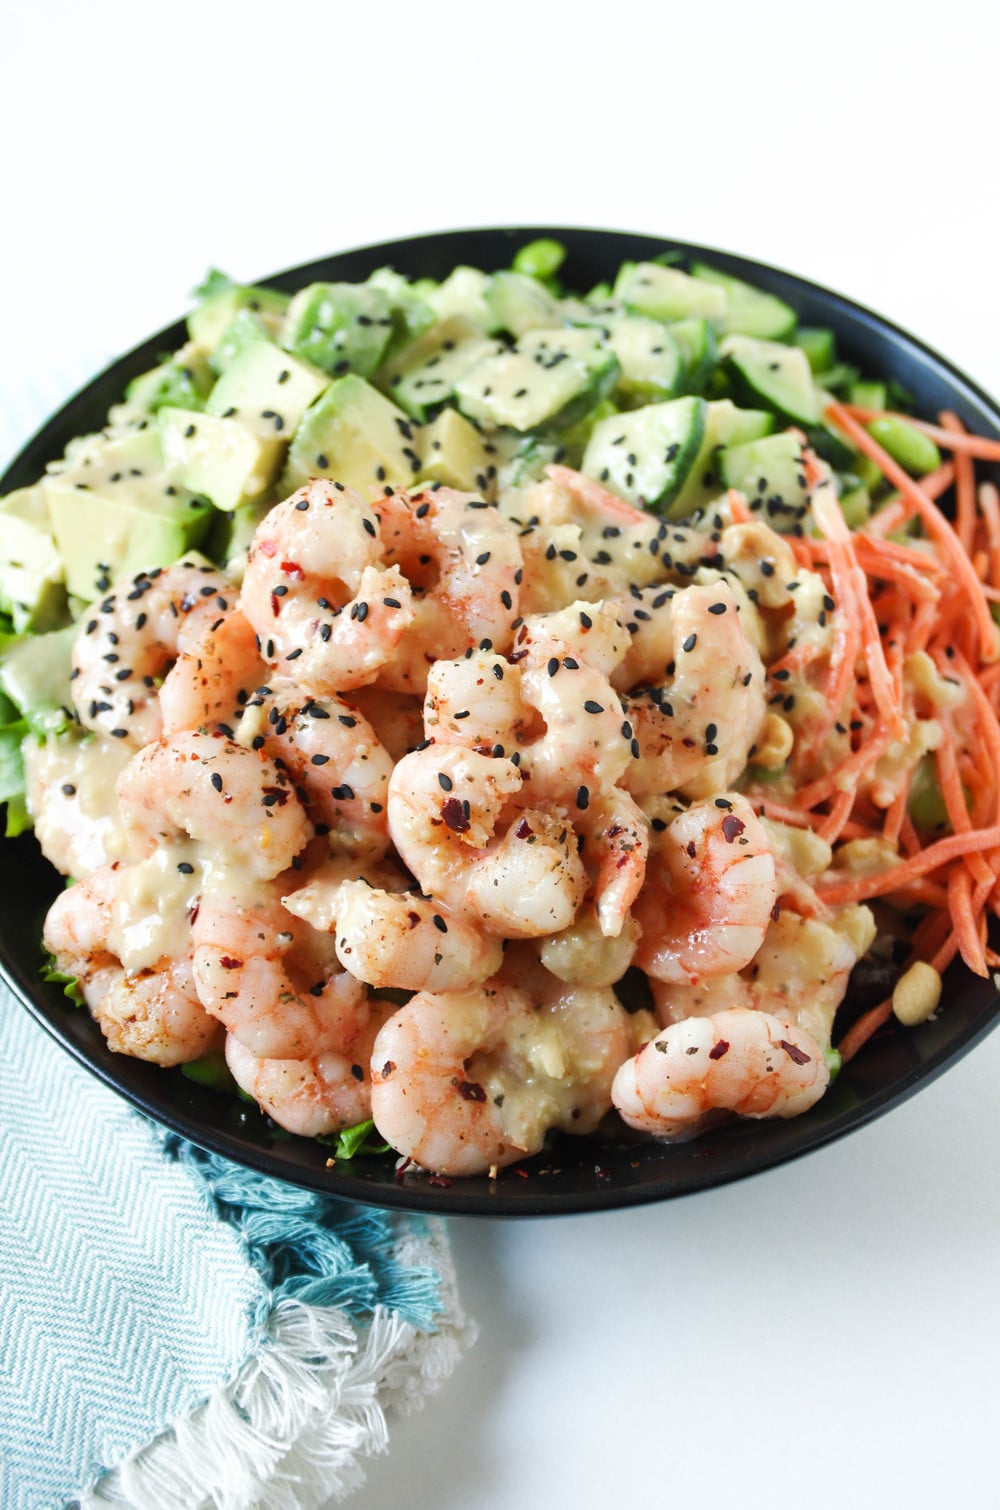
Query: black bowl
(576, 1174)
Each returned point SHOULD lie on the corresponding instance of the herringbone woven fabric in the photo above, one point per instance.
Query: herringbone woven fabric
(123, 1298)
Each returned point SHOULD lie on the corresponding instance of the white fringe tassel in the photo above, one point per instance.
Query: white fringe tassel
(290, 1432)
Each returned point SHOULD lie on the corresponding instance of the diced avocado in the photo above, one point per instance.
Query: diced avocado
(221, 299)
(410, 312)
(267, 390)
(32, 580)
(355, 435)
(340, 327)
(550, 380)
(749, 310)
(768, 375)
(725, 425)
(464, 292)
(644, 456)
(35, 674)
(452, 451)
(218, 457)
(665, 293)
(243, 328)
(769, 473)
(231, 534)
(422, 377)
(518, 304)
(183, 380)
(700, 350)
(116, 510)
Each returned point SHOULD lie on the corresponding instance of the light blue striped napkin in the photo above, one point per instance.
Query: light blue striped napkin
(176, 1331)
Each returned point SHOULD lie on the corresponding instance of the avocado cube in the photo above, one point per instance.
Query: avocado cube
(116, 510)
(340, 327)
(266, 390)
(354, 435)
(35, 674)
(452, 452)
(222, 299)
(183, 380)
(220, 458)
(32, 581)
(411, 314)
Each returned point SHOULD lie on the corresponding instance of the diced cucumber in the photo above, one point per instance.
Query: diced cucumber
(354, 435)
(665, 293)
(422, 377)
(645, 455)
(518, 304)
(819, 345)
(340, 327)
(464, 292)
(770, 474)
(749, 310)
(550, 380)
(725, 425)
(868, 395)
(220, 458)
(700, 351)
(768, 375)
(650, 359)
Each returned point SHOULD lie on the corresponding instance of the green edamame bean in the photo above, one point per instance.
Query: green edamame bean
(540, 259)
(915, 452)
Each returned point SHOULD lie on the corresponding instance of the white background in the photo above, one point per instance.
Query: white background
(823, 1334)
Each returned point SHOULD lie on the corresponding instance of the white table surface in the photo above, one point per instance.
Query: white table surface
(822, 1334)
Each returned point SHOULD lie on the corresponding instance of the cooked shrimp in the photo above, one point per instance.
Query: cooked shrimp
(738, 1061)
(128, 641)
(463, 564)
(396, 717)
(451, 820)
(468, 1081)
(273, 981)
(71, 796)
(695, 732)
(332, 755)
(203, 785)
(212, 677)
(327, 614)
(310, 1097)
(399, 938)
(148, 1011)
(616, 846)
(647, 613)
(799, 975)
(475, 701)
(709, 894)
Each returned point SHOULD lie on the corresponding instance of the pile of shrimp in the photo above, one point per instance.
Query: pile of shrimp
(391, 819)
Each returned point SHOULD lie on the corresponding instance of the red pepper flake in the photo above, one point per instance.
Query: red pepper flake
(228, 963)
(471, 1090)
(387, 1068)
(293, 569)
(794, 1053)
(523, 829)
(440, 1179)
(275, 604)
(523, 1173)
(454, 815)
(732, 827)
(719, 1049)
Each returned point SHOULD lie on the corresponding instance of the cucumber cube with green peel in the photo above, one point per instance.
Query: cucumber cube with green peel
(645, 455)
(549, 380)
(700, 350)
(340, 327)
(665, 293)
(749, 310)
(769, 375)
(219, 458)
(464, 292)
(725, 425)
(770, 474)
(355, 435)
(517, 304)
(117, 510)
(421, 378)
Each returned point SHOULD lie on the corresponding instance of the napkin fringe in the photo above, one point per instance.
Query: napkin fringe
(291, 1430)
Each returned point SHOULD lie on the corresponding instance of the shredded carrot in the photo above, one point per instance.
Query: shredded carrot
(885, 882)
(965, 486)
(979, 446)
